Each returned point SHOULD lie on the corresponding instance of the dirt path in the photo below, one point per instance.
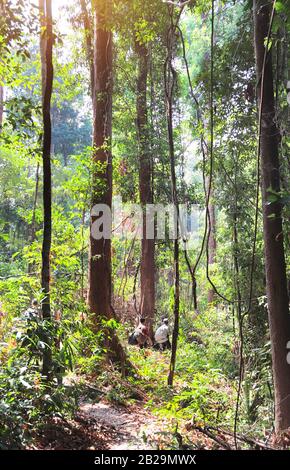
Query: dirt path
(127, 427)
(101, 425)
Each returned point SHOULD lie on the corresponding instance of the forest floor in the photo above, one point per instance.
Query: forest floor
(101, 422)
(104, 422)
(130, 427)
(141, 412)
(103, 425)
(114, 413)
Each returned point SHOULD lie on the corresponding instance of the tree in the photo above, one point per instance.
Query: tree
(276, 282)
(99, 293)
(147, 266)
(99, 276)
(46, 45)
(170, 78)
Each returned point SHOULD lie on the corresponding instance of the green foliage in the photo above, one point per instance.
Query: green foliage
(204, 371)
(207, 367)
(26, 402)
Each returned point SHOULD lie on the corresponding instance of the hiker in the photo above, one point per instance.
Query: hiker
(141, 334)
(162, 336)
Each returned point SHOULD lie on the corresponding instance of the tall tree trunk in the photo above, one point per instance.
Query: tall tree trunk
(99, 276)
(46, 44)
(99, 293)
(276, 284)
(176, 247)
(147, 267)
(170, 83)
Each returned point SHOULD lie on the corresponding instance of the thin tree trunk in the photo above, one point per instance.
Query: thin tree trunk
(46, 44)
(147, 267)
(176, 248)
(276, 283)
(170, 83)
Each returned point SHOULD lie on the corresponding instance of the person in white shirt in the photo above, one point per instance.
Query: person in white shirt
(162, 336)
